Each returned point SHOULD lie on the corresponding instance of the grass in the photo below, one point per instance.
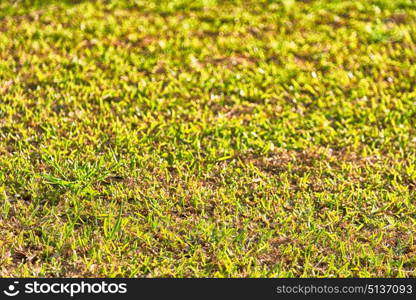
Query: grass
(194, 138)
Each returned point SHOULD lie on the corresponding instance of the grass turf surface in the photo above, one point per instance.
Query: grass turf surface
(207, 138)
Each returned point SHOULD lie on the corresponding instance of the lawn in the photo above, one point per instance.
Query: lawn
(204, 138)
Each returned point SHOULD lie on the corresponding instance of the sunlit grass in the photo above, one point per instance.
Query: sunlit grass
(208, 138)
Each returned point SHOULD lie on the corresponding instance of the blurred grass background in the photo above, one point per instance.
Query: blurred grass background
(207, 138)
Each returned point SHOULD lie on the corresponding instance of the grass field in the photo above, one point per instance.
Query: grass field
(194, 138)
